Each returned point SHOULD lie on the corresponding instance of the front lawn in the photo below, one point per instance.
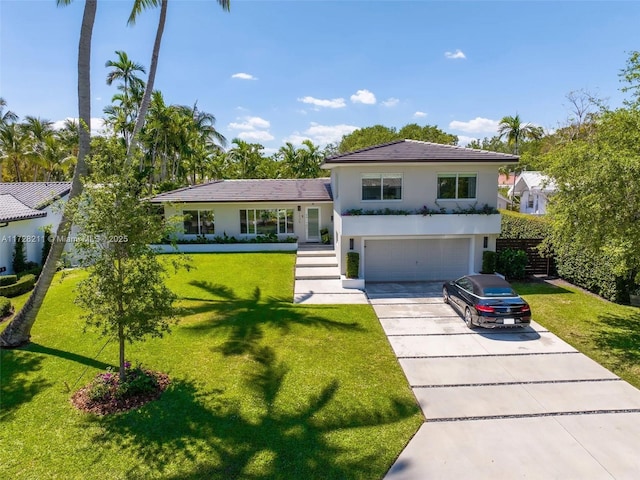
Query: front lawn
(607, 332)
(261, 388)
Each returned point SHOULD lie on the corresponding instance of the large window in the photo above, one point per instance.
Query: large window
(198, 222)
(382, 186)
(456, 186)
(264, 222)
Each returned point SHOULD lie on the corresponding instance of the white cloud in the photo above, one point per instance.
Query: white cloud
(321, 134)
(419, 114)
(244, 76)
(364, 96)
(464, 140)
(458, 54)
(97, 124)
(477, 125)
(391, 102)
(256, 135)
(318, 102)
(250, 123)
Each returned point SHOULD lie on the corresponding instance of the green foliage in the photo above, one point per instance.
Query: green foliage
(23, 285)
(631, 76)
(325, 236)
(46, 244)
(5, 306)
(520, 225)
(512, 263)
(353, 264)
(8, 280)
(379, 134)
(19, 263)
(489, 261)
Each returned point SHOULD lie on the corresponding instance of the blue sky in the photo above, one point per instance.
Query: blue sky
(277, 71)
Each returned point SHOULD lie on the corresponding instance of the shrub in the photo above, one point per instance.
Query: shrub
(520, 225)
(5, 306)
(353, 264)
(512, 263)
(106, 387)
(46, 245)
(23, 285)
(19, 256)
(326, 238)
(489, 259)
(8, 280)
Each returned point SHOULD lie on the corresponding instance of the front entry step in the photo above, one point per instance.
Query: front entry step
(317, 273)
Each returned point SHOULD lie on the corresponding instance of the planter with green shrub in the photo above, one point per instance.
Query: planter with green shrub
(353, 264)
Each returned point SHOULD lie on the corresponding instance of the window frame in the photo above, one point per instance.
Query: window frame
(199, 221)
(381, 177)
(457, 176)
(253, 215)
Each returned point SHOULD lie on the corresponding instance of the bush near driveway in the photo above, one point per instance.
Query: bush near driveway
(260, 387)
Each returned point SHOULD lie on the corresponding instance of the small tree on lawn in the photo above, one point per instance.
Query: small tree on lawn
(124, 294)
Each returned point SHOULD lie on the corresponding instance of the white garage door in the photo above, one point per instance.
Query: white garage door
(413, 260)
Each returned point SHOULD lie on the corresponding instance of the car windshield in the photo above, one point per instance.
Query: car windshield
(498, 292)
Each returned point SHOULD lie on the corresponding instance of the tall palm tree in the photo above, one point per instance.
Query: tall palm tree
(38, 131)
(13, 147)
(5, 118)
(138, 7)
(18, 331)
(515, 131)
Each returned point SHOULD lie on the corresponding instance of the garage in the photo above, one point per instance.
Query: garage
(416, 260)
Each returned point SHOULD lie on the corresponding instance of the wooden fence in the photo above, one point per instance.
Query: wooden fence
(537, 265)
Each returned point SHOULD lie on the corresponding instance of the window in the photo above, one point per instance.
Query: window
(382, 186)
(268, 221)
(198, 222)
(530, 200)
(456, 186)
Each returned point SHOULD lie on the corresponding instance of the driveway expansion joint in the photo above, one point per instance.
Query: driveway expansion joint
(533, 415)
(526, 354)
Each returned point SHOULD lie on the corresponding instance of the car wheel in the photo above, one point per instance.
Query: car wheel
(445, 295)
(468, 319)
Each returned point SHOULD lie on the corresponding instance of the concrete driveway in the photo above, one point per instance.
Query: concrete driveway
(504, 404)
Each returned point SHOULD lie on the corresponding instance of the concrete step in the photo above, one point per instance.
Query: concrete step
(317, 273)
(314, 246)
(328, 261)
(316, 253)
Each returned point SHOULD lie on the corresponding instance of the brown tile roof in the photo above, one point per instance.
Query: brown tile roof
(12, 209)
(414, 151)
(263, 190)
(36, 194)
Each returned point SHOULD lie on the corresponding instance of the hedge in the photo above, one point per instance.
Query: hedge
(353, 264)
(512, 263)
(5, 306)
(521, 225)
(8, 280)
(489, 259)
(23, 285)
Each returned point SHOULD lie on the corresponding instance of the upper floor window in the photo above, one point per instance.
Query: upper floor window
(457, 186)
(382, 186)
(198, 222)
(264, 222)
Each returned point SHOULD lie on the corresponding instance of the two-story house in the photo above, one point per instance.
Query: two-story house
(411, 209)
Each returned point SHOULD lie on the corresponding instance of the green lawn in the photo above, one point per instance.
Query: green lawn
(261, 388)
(607, 332)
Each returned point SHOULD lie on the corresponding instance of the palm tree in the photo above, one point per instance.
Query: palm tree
(138, 7)
(515, 131)
(18, 331)
(5, 118)
(38, 131)
(13, 147)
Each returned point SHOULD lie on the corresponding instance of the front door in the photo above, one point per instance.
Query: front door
(313, 224)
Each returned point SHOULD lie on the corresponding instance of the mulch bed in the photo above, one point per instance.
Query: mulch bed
(81, 401)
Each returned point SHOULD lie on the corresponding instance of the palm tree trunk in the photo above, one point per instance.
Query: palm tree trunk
(18, 331)
(148, 89)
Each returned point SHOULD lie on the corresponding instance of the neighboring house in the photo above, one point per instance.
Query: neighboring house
(245, 209)
(407, 175)
(403, 177)
(534, 190)
(503, 202)
(25, 208)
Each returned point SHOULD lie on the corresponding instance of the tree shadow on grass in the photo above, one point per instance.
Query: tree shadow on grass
(212, 438)
(244, 319)
(621, 337)
(20, 379)
(74, 357)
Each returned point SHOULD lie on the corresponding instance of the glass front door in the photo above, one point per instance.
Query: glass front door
(313, 224)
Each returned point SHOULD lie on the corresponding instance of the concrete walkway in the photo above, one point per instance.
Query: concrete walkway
(504, 404)
(317, 279)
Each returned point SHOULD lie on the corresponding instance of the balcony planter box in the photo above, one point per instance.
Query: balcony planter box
(450, 224)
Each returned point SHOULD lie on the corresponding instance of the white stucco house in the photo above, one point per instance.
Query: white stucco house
(534, 190)
(410, 209)
(25, 209)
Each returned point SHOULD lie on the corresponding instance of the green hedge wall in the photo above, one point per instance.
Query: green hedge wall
(521, 225)
(353, 264)
(8, 280)
(23, 285)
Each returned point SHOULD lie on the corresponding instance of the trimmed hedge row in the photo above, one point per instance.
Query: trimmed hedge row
(5, 306)
(353, 264)
(8, 280)
(23, 285)
(521, 225)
